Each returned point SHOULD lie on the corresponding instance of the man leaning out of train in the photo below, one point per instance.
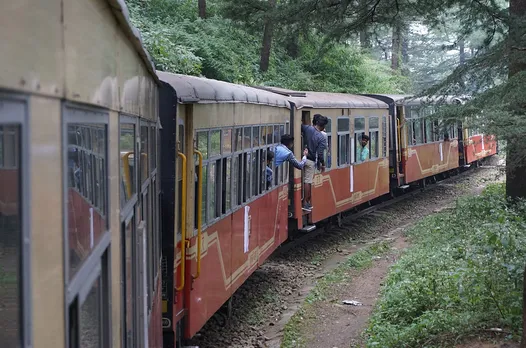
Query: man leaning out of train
(316, 144)
(284, 153)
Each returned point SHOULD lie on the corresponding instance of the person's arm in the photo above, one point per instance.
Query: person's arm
(294, 161)
(303, 127)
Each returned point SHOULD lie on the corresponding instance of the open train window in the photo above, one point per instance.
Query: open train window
(359, 129)
(384, 135)
(343, 131)
(327, 152)
(373, 137)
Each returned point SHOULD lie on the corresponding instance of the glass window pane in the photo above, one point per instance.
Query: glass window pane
(418, 131)
(344, 125)
(87, 193)
(227, 140)
(429, 131)
(129, 280)
(373, 122)
(235, 181)
(328, 127)
(127, 149)
(215, 143)
(211, 202)
(255, 136)
(374, 144)
(145, 172)
(204, 194)
(281, 132)
(238, 139)
(384, 137)
(255, 171)
(227, 191)
(202, 143)
(246, 176)
(359, 124)
(153, 147)
(263, 137)
(90, 319)
(1, 146)
(10, 242)
(247, 140)
(270, 135)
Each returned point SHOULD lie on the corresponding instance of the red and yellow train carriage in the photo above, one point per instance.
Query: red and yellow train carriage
(214, 143)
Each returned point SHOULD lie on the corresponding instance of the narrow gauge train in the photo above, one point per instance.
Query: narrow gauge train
(133, 203)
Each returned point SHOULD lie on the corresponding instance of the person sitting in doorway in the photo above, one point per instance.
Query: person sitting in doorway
(316, 143)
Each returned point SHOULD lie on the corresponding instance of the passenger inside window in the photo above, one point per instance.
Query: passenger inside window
(270, 158)
(363, 153)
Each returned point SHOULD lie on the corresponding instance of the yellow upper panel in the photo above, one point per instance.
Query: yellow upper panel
(81, 50)
(31, 55)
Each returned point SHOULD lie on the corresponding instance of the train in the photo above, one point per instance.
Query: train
(135, 202)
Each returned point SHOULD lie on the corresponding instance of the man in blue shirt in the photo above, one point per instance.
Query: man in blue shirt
(284, 153)
(364, 151)
(316, 143)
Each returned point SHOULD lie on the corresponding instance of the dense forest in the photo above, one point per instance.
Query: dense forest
(273, 43)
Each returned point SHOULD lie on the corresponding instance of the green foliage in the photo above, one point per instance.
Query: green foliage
(463, 273)
(223, 49)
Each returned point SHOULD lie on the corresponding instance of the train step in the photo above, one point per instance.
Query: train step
(308, 228)
(404, 187)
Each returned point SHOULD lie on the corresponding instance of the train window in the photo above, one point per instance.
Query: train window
(373, 137)
(428, 131)
(255, 136)
(281, 132)
(215, 143)
(247, 140)
(255, 172)
(87, 193)
(227, 140)
(287, 127)
(343, 128)
(11, 325)
(153, 147)
(204, 195)
(418, 131)
(127, 155)
(327, 154)
(237, 188)
(227, 176)
(212, 193)
(263, 169)
(384, 136)
(238, 139)
(359, 128)
(436, 131)
(202, 143)
(143, 162)
(129, 279)
(270, 135)
(263, 135)
(246, 177)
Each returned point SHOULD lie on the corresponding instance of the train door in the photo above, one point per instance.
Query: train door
(461, 150)
(399, 137)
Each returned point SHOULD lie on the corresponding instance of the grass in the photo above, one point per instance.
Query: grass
(463, 274)
(293, 335)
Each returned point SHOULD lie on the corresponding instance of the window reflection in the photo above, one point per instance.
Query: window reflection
(144, 154)
(87, 190)
(127, 148)
(10, 237)
(89, 319)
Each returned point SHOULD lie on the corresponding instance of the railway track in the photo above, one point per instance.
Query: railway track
(299, 238)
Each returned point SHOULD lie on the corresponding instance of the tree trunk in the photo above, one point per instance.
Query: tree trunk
(515, 166)
(397, 46)
(462, 54)
(267, 39)
(365, 38)
(405, 48)
(201, 4)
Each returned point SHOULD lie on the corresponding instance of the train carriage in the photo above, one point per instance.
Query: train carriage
(79, 265)
(215, 140)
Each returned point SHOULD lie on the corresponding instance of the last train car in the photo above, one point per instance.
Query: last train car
(79, 240)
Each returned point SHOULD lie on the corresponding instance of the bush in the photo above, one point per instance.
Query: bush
(463, 273)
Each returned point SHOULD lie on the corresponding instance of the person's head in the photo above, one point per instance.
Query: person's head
(365, 139)
(270, 157)
(315, 119)
(321, 122)
(287, 140)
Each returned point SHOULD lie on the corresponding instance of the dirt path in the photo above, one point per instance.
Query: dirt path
(339, 325)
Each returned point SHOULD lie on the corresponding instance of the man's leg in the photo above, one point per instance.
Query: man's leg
(309, 175)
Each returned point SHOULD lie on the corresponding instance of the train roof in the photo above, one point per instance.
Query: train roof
(411, 100)
(326, 100)
(192, 89)
(120, 10)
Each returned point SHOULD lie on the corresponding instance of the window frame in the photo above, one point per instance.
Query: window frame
(101, 252)
(356, 140)
(343, 134)
(24, 166)
(370, 131)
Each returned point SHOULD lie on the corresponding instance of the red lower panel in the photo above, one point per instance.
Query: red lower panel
(228, 258)
(340, 189)
(479, 146)
(426, 160)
